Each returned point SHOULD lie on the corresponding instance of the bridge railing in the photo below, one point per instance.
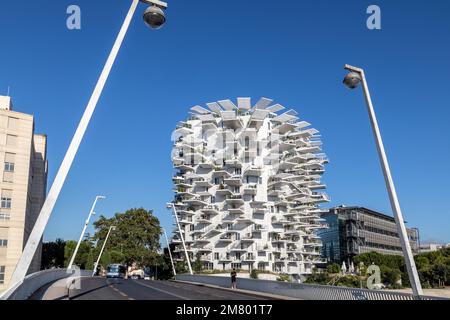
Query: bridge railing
(35, 281)
(301, 291)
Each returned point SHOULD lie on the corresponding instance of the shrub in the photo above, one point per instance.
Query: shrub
(254, 274)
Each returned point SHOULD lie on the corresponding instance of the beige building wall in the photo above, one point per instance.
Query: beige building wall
(23, 179)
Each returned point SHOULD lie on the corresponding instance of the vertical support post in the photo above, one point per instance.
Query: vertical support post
(170, 254)
(101, 251)
(83, 231)
(182, 238)
(401, 228)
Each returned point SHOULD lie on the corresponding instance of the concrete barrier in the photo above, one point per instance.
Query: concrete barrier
(301, 291)
(69, 288)
(35, 281)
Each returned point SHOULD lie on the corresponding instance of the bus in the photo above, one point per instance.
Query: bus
(116, 271)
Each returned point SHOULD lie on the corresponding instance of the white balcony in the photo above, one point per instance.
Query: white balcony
(211, 209)
(235, 180)
(250, 189)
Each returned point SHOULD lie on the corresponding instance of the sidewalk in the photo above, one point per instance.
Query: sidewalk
(253, 293)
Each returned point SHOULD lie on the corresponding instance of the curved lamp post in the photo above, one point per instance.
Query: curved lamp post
(101, 251)
(154, 18)
(352, 80)
(84, 230)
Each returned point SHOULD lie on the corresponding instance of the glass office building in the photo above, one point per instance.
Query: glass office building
(356, 230)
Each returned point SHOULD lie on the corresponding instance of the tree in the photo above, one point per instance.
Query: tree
(81, 259)
(198, 264)
(136, 237)
(53, 254)
(333, 268)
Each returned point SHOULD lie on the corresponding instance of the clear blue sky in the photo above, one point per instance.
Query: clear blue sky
(291, 51)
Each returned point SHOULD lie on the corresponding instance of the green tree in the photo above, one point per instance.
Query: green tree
(198, 264)
(53, 254)
(136, 237)
(81, 259)
(333, 268)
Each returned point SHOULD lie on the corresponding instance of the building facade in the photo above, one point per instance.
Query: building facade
(356, 230)
(247, 188)
(23, 180)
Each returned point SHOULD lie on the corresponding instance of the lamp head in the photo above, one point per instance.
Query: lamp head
(352, 80)
(154, 17)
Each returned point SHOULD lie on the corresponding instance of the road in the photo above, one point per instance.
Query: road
(119, 289)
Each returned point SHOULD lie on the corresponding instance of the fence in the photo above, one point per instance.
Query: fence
(302, 291)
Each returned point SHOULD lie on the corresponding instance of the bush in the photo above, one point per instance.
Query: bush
(284, 277)
(254, 274)
(333, 268)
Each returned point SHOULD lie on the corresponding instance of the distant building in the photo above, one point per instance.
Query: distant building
(355, 230)
(430, 247)
(23, 183)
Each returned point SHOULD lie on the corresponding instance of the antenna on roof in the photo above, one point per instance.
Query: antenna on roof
(8, 92)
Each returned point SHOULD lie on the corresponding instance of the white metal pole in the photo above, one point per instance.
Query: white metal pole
(83, 231)
(41, 222)
(401, 228)
(101, 251)
(182, 238)
(170, 254)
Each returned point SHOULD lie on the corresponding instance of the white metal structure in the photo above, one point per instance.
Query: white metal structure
(52, 197)
(180, 232)
(246, 187)
(407, 252)
(170, 253)
(101, 251)
(86, 223)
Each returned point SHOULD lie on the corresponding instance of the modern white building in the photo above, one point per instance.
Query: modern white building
(248, 187)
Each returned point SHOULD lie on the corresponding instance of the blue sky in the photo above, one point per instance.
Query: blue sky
(290, 51)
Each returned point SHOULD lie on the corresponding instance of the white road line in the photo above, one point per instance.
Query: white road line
(163, 291)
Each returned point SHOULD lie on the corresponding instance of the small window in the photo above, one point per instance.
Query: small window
(4, 216)
(6, 203)
(3, 242)
(9, 167)
(11, 140)
(2, 274)
(216, 256)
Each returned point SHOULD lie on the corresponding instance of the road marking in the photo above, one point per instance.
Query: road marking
(161, 290)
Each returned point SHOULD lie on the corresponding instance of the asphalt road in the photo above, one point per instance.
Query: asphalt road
(119, 289)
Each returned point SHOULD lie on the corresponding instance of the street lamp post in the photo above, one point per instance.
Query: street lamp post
(101, 251)
(83, 231)
(170, 254)
(154, 18)
(181, 236)
(352, 80)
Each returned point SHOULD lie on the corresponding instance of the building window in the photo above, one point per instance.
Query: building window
(9, 167)
(4, 216)
(216, 256)
(3, 242)
(11, 140)
(6, 203)
(2, 274)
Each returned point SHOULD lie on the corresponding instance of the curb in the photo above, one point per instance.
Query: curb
(249, 292)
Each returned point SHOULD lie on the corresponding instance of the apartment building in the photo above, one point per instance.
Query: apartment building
(23, 180)
(247, 187)
(356, 230)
